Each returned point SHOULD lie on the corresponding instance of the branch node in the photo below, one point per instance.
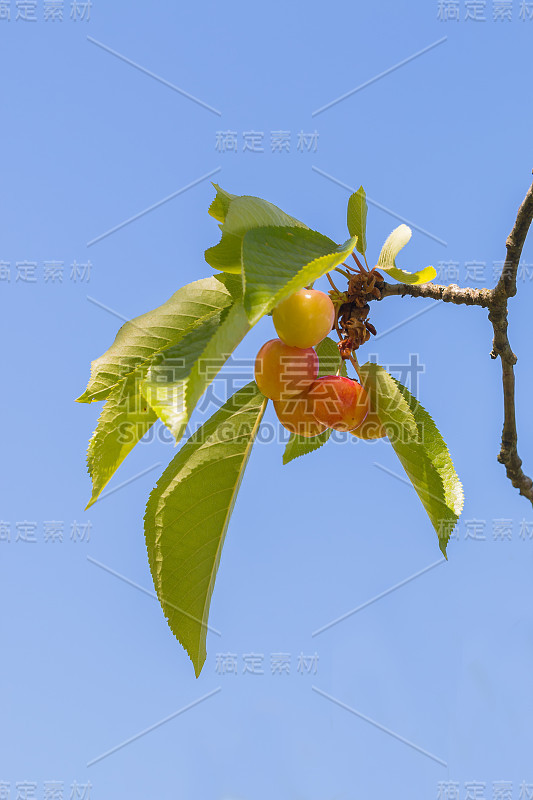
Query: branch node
(496, 300)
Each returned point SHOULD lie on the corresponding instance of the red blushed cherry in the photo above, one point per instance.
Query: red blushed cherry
(296, 415)
(339, 403)
(282, 371)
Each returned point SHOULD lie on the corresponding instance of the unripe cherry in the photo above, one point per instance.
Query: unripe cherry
(282, 371)
(339, 402)
(296, 415)
(304, 318)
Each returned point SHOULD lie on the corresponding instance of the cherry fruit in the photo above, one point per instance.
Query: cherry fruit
(304, 318)
(282, 371)
(296, 414)
(339, 403)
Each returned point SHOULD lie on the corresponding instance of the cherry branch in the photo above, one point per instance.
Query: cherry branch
(496, 300)
(448, 294)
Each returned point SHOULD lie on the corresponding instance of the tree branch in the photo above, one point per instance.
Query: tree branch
(496, 300)
(504, 289)
(506, 286)
(448, 294)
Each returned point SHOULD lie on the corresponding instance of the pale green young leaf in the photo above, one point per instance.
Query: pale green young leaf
(140, 339)
(178, 377)
(242, 214)
(124, 420)
(420, 449)
(280, 261)
(422, 276)
(387, 258)
(188, 514)
(356, 218)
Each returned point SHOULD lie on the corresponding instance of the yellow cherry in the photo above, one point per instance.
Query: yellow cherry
(304, 318)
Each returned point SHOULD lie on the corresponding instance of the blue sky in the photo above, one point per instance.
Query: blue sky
(91, 140)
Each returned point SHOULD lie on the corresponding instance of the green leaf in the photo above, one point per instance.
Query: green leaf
(301, 445)
(422, 451)
(124, 420)
(188, 513)
(389, 403)
(439, 455)
(387, 258)
(329, 363)
(242, 214)
(329, 358)
(178, 377)
(140, 339)
(232, 282)
(279, 261)
(357, 211)
(220, 205)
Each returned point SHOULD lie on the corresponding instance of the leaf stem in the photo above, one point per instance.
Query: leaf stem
(355, 364)
(328, 276)
(358, 262)
(342, 272)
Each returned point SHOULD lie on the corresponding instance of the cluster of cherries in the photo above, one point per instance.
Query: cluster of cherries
(286, 371)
